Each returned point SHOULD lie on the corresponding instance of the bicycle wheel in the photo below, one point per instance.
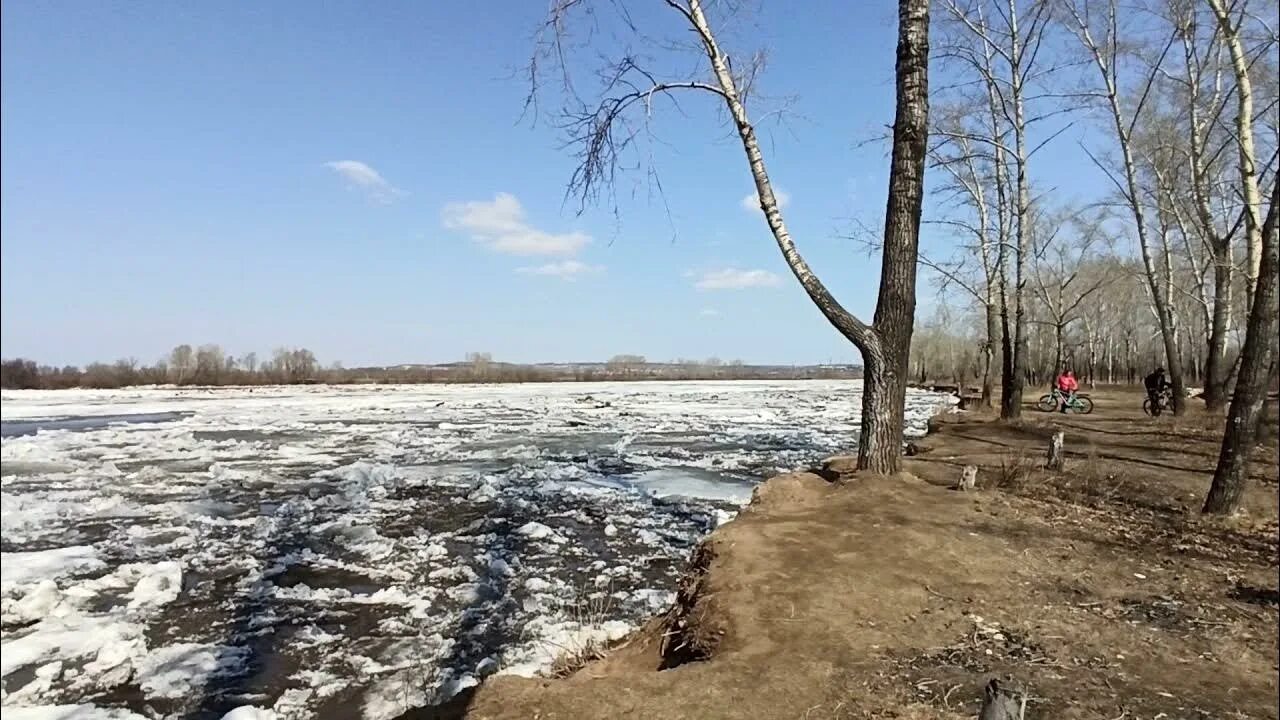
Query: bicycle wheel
(1083, 404)
(1047, 403)
(1146, 407)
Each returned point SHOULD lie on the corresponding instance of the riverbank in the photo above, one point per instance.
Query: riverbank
(1100, 588)
(349, 552)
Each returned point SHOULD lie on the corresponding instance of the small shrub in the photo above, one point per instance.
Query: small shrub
(588, 610)
(1014, 472)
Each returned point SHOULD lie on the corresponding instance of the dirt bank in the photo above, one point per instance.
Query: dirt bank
(1100, 588)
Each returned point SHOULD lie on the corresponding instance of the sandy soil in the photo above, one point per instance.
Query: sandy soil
(1100, 589)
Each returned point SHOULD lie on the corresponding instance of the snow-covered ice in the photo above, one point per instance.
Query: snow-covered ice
(314, 552)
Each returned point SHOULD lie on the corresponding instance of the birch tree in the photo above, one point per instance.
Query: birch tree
(602, 129)
(969, 177)
(1230, 18)
(1096, 24)
(998, 43)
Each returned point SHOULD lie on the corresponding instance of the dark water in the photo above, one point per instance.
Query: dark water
(18, 428)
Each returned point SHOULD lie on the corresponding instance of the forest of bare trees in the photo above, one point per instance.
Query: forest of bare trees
(1169, 263)
(1173, 103)
(210, 366)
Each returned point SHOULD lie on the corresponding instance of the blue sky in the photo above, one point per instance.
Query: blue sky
(355, 178)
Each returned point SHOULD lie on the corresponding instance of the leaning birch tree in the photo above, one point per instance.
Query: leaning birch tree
(602, 129)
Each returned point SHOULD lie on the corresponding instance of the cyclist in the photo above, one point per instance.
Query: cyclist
(1156, 384)
(1066, 386)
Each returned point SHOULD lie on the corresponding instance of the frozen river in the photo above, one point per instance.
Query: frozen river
(357, 551)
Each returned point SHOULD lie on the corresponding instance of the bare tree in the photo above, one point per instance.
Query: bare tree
(603, 129)
(998, 43)
(210, 364)
(1257, 361)
(182, 363)
(1066, 274)
(1201, 86)
(968, 181)
(1096, 24)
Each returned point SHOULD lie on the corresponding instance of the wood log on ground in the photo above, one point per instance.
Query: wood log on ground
(1003, 701)
(1056, 457)
(968, 478)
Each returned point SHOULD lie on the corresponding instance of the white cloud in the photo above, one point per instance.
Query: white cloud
(709, 312)
(501, 226)
(751, 203)
(565, 269)
(365, 178)
(734, 279)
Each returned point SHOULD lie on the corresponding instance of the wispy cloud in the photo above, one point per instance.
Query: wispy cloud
(565, 269)
(501, 226)
(735, 279)
(751, 202)
(708, 313)
(366, 179)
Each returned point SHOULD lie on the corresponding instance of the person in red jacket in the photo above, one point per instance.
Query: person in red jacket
(1066, 385)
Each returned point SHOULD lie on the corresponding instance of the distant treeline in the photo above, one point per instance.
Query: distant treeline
(208, 365)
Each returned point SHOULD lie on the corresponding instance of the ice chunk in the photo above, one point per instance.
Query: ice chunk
(250, 712)
(109, 641)
(535, 530)
(176, 670)
(159, 585)
(693, 483)
(24, 568)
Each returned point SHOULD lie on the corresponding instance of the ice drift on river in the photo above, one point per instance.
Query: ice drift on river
(319, 552)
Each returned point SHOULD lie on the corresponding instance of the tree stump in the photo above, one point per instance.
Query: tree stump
(1003, 701)
(1056, 457)
(968, 478)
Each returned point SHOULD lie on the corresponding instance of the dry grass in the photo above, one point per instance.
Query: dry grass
(589, 609)
(1016, 471)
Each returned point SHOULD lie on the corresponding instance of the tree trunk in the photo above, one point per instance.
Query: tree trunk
(1002, 701)
(1252, 195)
(1215, 370)
(896, 303)
(880, 440)
(1059, 358)
(1250, 397)
(1012, 405)
(1010, 402)
(1270, 382)
(989, 350)
(1055, 458)
(1010, 378)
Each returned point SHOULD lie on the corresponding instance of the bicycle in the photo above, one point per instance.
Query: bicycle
(1163, 397)
(1079, 403)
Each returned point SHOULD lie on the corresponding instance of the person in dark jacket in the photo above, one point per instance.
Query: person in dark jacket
(1156, 383)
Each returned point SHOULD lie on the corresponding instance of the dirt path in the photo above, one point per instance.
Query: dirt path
(1099, 588)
